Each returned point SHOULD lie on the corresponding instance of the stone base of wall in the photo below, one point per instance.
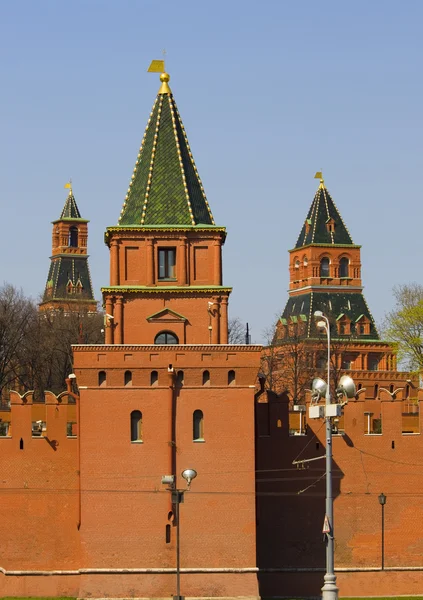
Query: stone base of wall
(220, 584)
(351, 583)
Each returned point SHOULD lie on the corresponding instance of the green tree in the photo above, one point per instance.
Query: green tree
(404, 325)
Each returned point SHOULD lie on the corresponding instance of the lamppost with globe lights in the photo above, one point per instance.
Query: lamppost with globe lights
(329, 410)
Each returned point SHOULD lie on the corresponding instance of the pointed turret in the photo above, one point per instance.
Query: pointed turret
(69, 280)
(324, 224)
(166, 251)
(70, 209)
(325, 274)
(165, 188)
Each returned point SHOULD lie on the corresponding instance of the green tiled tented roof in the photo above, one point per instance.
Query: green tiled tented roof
(165, 187)
(315, 229)
(333, 305)
(70, 209)
(66, 273)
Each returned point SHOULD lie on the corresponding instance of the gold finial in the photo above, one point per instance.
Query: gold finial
(319, 175)
(158, 66)
(68, 186)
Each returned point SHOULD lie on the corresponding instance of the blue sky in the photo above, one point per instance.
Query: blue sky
(269, 93)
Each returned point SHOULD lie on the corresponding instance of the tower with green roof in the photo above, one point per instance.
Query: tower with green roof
(325, 275)
(165, 252)
(68, 286)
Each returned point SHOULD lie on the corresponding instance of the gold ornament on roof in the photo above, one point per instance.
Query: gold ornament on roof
(158, 66)
(319, 175)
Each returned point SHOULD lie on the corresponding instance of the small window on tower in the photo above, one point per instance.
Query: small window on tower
(324, 267)
(167, 263)
(344, 267)
(198, 426)
(73, 237)
(136, 426)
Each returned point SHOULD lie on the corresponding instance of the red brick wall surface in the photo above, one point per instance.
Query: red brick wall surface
(290, 502)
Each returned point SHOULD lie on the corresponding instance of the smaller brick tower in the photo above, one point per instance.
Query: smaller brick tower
(69, 281)
(325, 275)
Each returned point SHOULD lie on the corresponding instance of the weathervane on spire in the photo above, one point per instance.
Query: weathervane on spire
(319, 175)
(158, 66)
(68, 186)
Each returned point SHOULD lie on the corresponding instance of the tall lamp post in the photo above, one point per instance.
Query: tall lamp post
(382, 502)
(329, 589)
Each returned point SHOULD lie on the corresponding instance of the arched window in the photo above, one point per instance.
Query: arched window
(102, 378)
(154, 378)
(73, 237)
(206, 377)
(136, 426)
(231, 377)
(321, 362)
(344, 265)
(180, 378)
(198, 426)
(324, 267)
(166, 337)
(128, 378)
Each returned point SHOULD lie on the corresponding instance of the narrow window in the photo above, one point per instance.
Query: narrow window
(376, 392)
(324, 267)
(321, 363)
(344, 267)
(206, 377)
(373, 363)
(198, 426)
(231, 377)
(136, 426)
(167, 263)
(73, 237)
(128, 378)
(21, 444)
(71, 429)
(166, 337)
(102, 378)
(278, 423)
(372, 424)
(410, 416)
(154, 378)
(168, 534)
(180, 378)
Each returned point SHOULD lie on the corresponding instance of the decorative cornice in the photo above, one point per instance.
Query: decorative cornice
(169, 347)
(318, 245)
(125, 231)
(134, 289)
(327, 288)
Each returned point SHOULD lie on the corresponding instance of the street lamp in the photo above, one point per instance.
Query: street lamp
(320, 389)
(177, 499)
(382, 502)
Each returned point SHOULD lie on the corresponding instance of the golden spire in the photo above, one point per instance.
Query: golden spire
(68, 186)
(319, 175)
(158, 66)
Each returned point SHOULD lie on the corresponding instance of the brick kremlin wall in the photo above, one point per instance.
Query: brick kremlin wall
(291, 500)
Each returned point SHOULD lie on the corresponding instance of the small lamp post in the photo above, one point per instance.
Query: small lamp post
(177, 499)
(382, 502)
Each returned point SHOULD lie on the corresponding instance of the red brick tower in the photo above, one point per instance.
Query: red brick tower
(165, 252)
(166, 393)
(325, 275)
(69, 280)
